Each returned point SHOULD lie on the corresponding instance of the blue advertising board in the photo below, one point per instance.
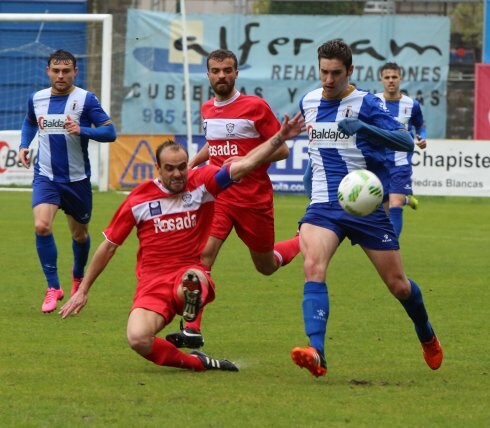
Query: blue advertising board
(277, 61)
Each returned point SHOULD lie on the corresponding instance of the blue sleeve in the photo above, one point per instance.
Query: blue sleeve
(397, 139)
(417, 120)
(421, 132)
(94, 114)
(28, 133)
(106, 133)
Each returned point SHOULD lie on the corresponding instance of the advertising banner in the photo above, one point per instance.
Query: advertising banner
(132, 159)
(482, 102)
(452, 168)
(444, 168)
(277, 60)
(12, 172)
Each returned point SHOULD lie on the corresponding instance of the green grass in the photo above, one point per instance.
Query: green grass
(81, 373)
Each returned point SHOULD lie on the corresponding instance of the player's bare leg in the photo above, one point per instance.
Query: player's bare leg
(284, 252)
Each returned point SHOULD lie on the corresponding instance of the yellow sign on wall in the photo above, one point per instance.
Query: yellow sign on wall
(132, 159)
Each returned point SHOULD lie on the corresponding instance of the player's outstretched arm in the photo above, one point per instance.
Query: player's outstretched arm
(398, 139)
(290, 128)
(281, 153)
(101, 258)
(103, 134)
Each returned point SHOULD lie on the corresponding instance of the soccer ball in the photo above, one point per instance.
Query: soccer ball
(360, 192)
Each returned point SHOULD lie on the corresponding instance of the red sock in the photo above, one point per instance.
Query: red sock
(164, 353)
(196, 324)
(286, 251)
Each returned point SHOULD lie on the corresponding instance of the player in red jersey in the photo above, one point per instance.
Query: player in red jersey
(234, 124)
(172, 215)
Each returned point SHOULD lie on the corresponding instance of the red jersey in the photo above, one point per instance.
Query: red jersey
(172, 228)
(233, 128)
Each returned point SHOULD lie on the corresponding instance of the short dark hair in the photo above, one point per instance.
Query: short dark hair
(222, 54)
(336, 49)
(169, 144)
(62, 56)
(390, 66)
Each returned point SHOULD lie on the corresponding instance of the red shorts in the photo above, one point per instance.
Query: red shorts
(255, 227)
(158, 293)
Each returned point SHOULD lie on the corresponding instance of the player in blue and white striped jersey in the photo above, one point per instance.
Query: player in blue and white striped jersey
(62, 116)
(408, 112)
(349, 129)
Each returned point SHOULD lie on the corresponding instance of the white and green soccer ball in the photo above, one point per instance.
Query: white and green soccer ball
(360, 192)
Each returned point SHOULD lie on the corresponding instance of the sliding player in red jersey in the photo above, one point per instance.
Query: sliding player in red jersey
(172, 215)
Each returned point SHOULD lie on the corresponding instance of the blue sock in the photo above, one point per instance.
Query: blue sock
(48, 256)
(315, 313)
(80, 256)
(396, 217)
(415, 308)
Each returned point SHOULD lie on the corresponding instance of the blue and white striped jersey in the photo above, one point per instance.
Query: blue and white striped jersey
(408, 112)
(63, 157)
(334, 154)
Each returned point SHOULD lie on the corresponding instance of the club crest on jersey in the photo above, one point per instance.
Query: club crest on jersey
(155, 208)
(229, 128)
(205, 127)
(74, 106)
(310, 114)
(347, 112)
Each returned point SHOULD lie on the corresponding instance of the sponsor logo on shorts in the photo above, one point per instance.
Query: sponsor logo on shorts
(386, 239)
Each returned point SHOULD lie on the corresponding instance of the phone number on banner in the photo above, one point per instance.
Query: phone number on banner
(169, 116)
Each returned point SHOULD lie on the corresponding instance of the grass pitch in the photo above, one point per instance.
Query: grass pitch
(80, 372)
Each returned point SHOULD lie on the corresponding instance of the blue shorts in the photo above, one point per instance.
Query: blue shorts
(73, 198)
(400, 180)
(374, 231)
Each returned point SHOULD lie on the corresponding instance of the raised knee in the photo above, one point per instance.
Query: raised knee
(140, 344)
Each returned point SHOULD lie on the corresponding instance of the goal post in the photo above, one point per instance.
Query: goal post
(105, 68)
